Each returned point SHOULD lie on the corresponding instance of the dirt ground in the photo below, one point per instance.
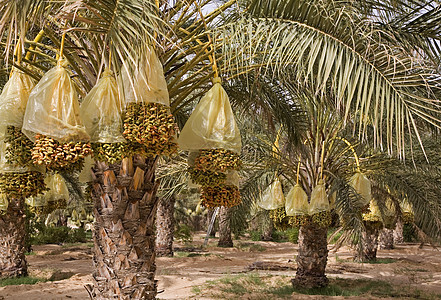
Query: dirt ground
(411, 266)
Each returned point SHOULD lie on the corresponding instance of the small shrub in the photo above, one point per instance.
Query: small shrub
(293, 235)
(183, 233)
(58, 235)
(409, 234)
(280, 236)
(256, 235)
(21, 280)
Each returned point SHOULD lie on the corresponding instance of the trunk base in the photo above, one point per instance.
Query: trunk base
(386, 239)
(165, 227)
(312, 257)
(12, 240)
(164, 252)
(309, 282)
(225, 239)
(370, 242)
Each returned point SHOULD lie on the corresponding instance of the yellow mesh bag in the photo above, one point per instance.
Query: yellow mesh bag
(148, 84)
(53, 109)
(4, 203)
(319, 199)
(101, 111)
(296, 202)
(14, 98)
(37, 201)
(362, 185)
(212, 124)
(272, 197)
(57, 188)
(85, 175)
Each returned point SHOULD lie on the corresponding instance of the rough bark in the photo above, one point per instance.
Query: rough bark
(398, 232)
(268, 228)
(369, 244)
(386, 239)
(12, 240)
(165, 227)
(225, 239)
(312, 257)
(125, 210)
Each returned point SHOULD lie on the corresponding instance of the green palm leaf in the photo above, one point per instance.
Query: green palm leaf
(327, 48)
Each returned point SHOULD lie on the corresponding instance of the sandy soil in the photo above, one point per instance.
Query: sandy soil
(176, 276)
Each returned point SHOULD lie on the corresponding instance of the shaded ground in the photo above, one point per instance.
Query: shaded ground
(185, 275)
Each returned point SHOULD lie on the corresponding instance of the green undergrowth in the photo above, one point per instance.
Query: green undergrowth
(250, 247)
(259, 287)
(190, 254)
(21, 280)
(381, 261)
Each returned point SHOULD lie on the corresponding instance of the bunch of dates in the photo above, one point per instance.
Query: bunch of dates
(221, 195)
(58, 156)
(152, 126)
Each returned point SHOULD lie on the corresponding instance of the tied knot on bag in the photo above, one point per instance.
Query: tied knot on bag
(217, 80)
(107, 73)
(62, 62)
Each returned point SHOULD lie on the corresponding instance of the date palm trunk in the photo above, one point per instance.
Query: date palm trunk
(312, 257)
(386, 239)
(369, 242)
(165, 227)
(124, 237)
(12, 240)
(268, 228)
(398, 232)
(225, 239)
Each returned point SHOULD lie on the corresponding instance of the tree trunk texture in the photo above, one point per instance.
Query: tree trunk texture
(369, 244)
(312, 257)
(124, 233)
(165, 227)
(268, 228)
(386, 239)
(12, 240)
(225, 228)
(398, 232)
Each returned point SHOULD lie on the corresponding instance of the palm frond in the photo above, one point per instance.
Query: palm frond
(332, 52)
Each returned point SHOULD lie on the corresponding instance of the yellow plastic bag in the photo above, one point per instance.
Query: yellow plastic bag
(14, 98)
(101, 111)
(57, 188)
(4, 203)
(37, 201)
(362, 185)
(319, 199)
(53, 109)
(147, 85)
(272, 197)
(212, 124)
(86, 173)
(296, 202)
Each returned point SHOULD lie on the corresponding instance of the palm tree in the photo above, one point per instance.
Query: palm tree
(124, 236)
(165, 227)
(273, 34)
(338, 51)
(12, 240)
